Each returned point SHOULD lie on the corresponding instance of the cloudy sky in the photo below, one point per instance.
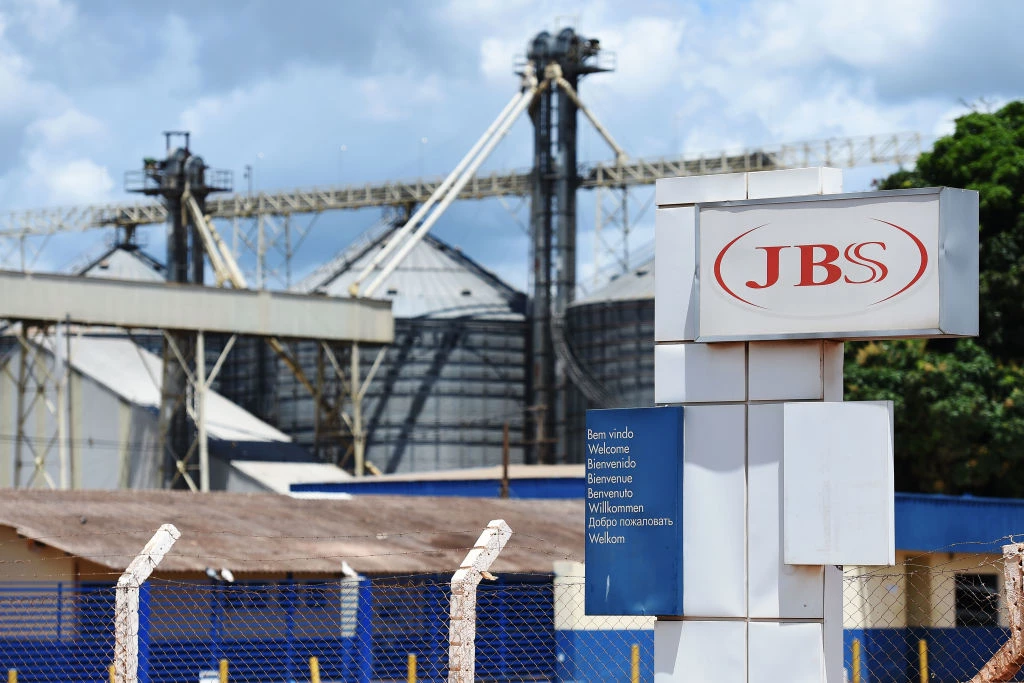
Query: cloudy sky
(404, 88)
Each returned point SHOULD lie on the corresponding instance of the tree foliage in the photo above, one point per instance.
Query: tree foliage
(960, 405)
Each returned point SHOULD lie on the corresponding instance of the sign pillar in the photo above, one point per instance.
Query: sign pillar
(754, 295)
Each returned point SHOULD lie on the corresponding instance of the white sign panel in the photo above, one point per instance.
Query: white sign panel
(838, 483)
(883, 264)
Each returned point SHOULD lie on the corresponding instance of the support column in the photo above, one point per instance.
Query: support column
(19, 414)
(358, 434)
(541, 377)
(200, 400)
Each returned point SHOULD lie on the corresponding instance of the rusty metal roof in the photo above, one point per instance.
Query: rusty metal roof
(262, 533)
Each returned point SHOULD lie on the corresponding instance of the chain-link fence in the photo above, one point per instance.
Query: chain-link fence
(360, 629)
(934, 617)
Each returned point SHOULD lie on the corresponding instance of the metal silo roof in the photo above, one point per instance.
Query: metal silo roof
(124, 263)
(435, 280)
(636, 283)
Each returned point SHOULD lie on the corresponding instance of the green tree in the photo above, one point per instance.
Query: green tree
(986, 153)
(959, 410)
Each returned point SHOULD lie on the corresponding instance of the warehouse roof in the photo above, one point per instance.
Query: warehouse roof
(435, 280)
(133, 373)
(272, 533)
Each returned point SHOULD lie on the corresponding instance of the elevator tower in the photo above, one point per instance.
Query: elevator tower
(174, 179)
(553, 229)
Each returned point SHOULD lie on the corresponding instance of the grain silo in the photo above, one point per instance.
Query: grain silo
(455, 375)
(609, 336)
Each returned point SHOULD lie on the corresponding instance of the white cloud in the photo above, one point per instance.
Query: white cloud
(70, 126)
(691, 76)
(20, 94)
(45, 20)
(647, 54)
(73, 181)
(497, 57)
(177, 70)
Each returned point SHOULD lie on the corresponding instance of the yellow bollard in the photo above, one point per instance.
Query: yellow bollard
(634, 664)
(855, 664)
(314, 670)
(12, 676)
(922, 657)
(223, 671)
(410, 675)
(112, 670)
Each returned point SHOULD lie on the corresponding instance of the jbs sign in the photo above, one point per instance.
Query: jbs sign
(855, 266)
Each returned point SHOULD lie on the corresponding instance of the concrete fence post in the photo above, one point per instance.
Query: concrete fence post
(126, 603)
(462, 609)
(1008, 659)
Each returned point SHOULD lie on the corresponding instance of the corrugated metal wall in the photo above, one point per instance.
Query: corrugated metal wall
(615, 342)
(439, 400)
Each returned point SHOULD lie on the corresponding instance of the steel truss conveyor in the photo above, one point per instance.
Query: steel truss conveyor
(847, 152)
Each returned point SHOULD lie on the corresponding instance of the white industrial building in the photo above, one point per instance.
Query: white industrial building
(106, 436)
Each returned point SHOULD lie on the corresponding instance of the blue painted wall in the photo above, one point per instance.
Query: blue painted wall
(933, 522)
(592, 656)
(890, 655)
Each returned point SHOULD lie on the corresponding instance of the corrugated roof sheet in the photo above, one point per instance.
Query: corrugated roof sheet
(279, 476)
(435, 280)
(133, 373)
(271, 533)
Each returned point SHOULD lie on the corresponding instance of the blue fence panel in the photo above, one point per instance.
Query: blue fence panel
(516, 629)
(890, 655)
(601, 655)
(410, 616)
(49, 630)
(266, 631)
(956, 654)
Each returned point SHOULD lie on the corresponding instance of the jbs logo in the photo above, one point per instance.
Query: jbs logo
(881, 262)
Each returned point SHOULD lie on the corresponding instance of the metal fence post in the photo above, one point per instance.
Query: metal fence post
(126, 602)
(436, 636)
(216, 616)
(364, 631)
(60, 611)
(462, 612)
(289, 597)
(503, 630)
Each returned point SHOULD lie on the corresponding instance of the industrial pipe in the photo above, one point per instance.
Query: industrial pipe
(439, 192)
(221, 260)
(556, 76)
(467, 175)
(208, 244)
